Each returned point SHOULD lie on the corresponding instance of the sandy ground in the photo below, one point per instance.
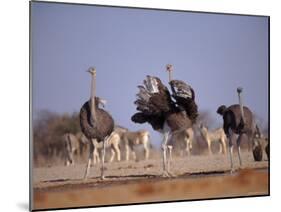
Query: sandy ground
(197, 177)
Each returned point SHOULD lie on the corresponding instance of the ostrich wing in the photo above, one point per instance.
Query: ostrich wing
(156, 121)
(153, 97)
(153, 102)
(181, 89)
(101, 129)
(233, 118)
(185, 98)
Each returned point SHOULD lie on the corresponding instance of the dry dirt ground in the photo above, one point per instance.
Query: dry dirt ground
(197, 177)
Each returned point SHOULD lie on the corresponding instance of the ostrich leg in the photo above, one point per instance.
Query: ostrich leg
(96, 155)
(230, 146)
(170, 148)
(91, 150)
(238, 147)
(230, 156)
(164, 153)
(103, 157)
(166, 161)
(169, 158)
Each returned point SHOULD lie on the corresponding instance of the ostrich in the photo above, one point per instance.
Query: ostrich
(156, 107)
(95, 123)
(237, 119)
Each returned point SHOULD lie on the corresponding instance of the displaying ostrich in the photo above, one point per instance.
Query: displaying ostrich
(164, 114)
(237, 119)
(95, 123)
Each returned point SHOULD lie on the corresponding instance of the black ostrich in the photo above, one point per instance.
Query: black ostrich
(95, 123)
(239, 119)
(164, 114)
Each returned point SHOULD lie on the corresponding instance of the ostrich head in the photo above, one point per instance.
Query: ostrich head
(221, 109)
(169, 67)
(92, 70)
(239, 90)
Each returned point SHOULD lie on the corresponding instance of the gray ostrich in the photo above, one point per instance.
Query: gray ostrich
(95, 123)
(237, 119)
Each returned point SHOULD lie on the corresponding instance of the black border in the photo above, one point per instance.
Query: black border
(138, 203)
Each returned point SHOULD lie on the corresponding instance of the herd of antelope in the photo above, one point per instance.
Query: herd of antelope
(182, 139)
(120, 137)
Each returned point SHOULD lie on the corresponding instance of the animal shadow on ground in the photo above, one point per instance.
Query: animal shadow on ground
(56, 180)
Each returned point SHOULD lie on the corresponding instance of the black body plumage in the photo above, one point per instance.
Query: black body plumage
(156, 106)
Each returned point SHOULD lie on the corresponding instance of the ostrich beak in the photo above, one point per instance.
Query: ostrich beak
(102, 102)
(92, 71)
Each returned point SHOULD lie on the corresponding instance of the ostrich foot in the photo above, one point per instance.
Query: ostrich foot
(172, 175)
(102, 173)
(232, 170)
(85, 177)
(168, 174)
(165, 174)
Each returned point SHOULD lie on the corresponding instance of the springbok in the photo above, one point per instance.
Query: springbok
(132, 139)
(113, 143)
(72, 144)
(212, 136)
(260, 144)
(180, 137)
(126, 138)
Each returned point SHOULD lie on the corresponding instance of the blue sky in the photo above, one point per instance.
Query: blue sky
(213, 53)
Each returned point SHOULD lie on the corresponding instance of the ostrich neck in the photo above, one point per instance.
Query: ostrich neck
(241, 107)
(93, 95)
(170, 76)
